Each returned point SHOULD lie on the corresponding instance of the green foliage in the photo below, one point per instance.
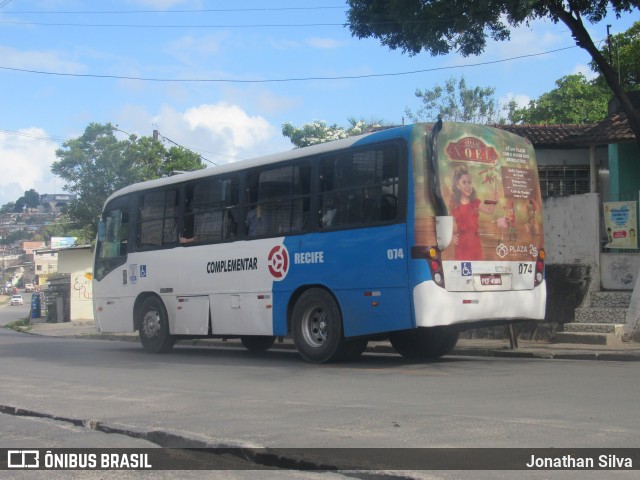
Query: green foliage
(625, 57)
(8, 207)
(30, 199)
(15, 236)
(97, 164)
(319, 131)
(574, 100)
(443, 26)
(456, 102)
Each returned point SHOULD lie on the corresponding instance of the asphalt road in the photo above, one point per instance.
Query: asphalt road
(204, 396)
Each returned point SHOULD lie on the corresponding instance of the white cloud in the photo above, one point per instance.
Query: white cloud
(192, 49)
(221, 132)
(40, 60)
(584, 70)
(520, 99)
(323, 43)
(25, 162)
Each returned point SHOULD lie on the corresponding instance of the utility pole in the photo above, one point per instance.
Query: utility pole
(609, 44)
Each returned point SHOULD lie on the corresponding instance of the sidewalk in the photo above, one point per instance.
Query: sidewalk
(623, 351)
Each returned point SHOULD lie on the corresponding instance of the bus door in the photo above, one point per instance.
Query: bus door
(110, 269)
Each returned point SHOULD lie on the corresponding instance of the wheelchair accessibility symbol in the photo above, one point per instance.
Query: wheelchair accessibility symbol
(466, 269)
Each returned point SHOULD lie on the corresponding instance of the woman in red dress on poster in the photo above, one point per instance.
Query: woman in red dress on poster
(465, 208)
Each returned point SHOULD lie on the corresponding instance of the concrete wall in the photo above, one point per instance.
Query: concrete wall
(619, 271)
(572, 229)
(572, 244)
(77, 262)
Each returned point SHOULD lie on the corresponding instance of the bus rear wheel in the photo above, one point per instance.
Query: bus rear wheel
(154, 326)
(424, 343)
(317, 327)
(256, 343)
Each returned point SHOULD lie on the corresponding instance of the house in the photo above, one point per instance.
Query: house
(45, 263)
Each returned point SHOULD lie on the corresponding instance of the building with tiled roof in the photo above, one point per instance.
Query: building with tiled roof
(579, 158)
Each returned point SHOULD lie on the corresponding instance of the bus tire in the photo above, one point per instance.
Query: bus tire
(257, 343)
(155, 336)
(424, 343)
(317, 327)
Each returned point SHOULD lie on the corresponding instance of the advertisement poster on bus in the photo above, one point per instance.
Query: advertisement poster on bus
(488, 180)
(620, 222)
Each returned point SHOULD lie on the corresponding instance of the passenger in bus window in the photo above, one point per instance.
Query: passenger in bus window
(252, 222)
(186, 236)
(231, 227)
(466, 208)
(328, 211)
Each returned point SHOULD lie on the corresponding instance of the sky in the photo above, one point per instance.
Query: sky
(220, 77)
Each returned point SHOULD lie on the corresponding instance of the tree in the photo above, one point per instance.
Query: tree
(442, 26)
(457, 103)
(8, 207)
(97, 164)
(319, 131)
(574, 100)
(30, 199)
(625, 56)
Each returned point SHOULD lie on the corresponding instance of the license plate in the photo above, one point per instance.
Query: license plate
(491, 279)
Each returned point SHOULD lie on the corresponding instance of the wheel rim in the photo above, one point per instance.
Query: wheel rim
(315, 326)
(151, 324)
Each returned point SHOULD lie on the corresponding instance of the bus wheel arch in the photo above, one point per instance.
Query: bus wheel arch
(316, 325)
(152, 322)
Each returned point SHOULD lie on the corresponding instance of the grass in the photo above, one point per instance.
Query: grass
(22, 325)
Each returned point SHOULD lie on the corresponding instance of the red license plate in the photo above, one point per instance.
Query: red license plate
(491, 279)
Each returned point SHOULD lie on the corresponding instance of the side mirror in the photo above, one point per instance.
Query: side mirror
(444, 231)
(102, 231)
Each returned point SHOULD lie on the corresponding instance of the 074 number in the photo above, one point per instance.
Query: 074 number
(525, 268)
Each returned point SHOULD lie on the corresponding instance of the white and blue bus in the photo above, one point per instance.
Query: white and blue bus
(411, 233)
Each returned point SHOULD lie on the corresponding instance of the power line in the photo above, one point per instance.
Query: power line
(281, 80)
(35, 137)
(198, 10)
(140, 25)
(157, 134)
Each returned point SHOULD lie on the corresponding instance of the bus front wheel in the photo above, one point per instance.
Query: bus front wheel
(317, 327)
(154, 327)
(424, 343)
(255, 343)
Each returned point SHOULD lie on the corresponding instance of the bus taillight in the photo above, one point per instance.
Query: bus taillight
(539, 268)
(432, 256)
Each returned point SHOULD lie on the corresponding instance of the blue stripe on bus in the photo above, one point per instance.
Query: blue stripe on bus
(365, 269)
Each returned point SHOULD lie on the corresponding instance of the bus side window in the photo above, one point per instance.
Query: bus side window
(158, 219)
(211, 209)
(278, 200)
(359, 188)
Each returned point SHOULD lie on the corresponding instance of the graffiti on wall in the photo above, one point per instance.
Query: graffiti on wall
(81, 286)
